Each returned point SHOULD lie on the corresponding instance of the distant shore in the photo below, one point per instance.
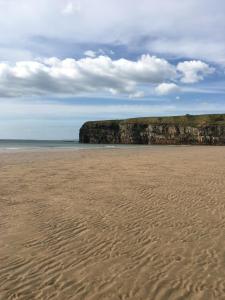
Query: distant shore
(133, 223)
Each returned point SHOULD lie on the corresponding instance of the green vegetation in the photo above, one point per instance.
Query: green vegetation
(188, 120)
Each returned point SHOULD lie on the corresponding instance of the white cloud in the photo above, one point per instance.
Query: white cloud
(71, 8)
(138, 94)
(99, 52)
(85, 76)
(167, 88)
(90, 53)
(194, 71)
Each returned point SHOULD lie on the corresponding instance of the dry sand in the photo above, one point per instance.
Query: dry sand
(113, 224)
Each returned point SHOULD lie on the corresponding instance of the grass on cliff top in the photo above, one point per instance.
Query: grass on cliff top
(191, 120)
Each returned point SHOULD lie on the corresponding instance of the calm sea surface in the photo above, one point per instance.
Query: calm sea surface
(26, 145)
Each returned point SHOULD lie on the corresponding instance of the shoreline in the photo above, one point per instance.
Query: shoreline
(15, 150)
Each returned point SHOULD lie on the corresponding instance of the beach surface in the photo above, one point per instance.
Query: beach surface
(141, 223)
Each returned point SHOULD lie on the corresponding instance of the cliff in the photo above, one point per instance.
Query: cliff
(178, 130)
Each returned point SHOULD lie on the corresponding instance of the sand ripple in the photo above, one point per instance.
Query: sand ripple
(113, 224)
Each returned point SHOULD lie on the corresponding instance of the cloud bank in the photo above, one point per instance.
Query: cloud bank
(96, 75)
(187, 28)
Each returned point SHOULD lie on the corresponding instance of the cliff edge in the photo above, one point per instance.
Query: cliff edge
(177, 130)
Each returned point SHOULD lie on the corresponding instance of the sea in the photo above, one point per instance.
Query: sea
(32, 145)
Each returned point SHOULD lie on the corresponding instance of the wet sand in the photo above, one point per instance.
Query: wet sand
(113, 224)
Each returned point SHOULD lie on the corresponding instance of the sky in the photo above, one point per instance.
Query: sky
(66, 62)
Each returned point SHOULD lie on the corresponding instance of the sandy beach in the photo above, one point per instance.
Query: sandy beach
(113, 224)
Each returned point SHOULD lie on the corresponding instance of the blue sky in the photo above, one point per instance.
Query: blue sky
(65, 62)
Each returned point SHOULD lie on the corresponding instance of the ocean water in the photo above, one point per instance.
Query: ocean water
(29, 145)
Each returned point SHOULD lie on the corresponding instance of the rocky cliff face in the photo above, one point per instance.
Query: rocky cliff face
(153, 131)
